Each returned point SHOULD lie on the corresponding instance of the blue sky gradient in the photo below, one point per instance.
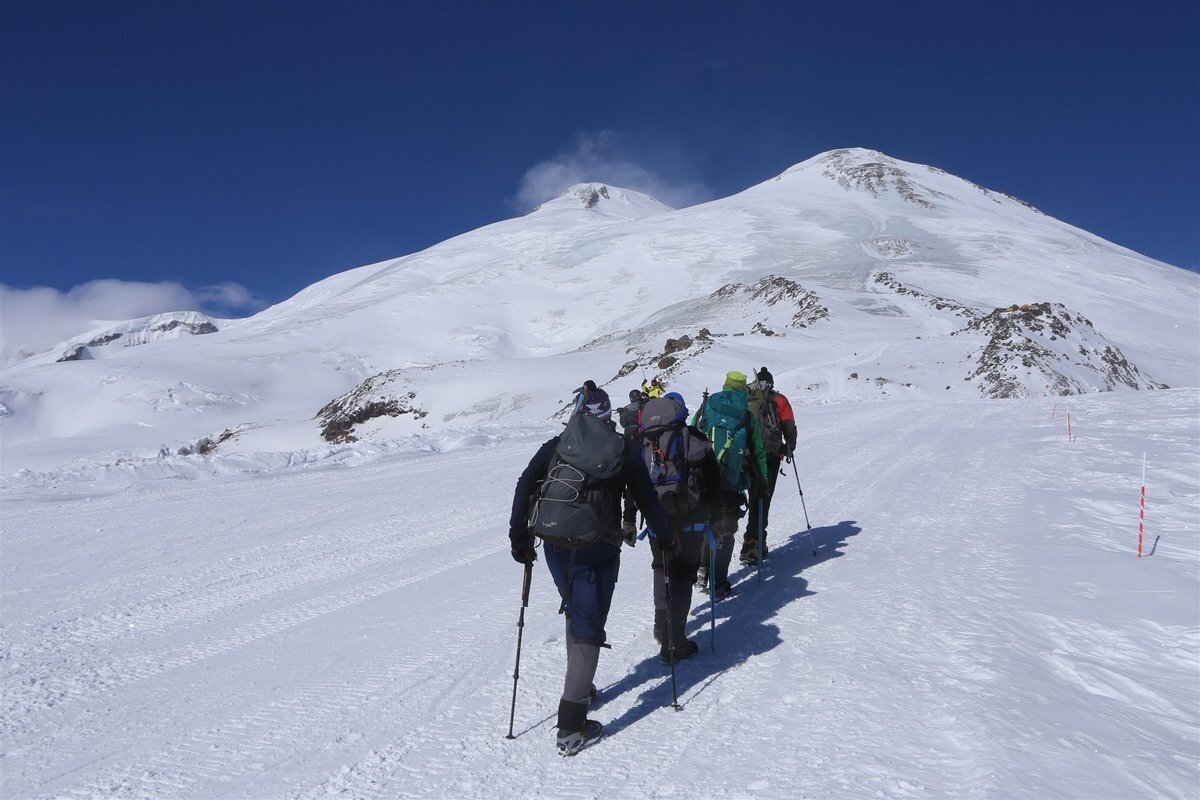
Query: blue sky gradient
(271, 144)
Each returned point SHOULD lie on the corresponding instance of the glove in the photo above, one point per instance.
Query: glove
(666, 539)
(522, 546)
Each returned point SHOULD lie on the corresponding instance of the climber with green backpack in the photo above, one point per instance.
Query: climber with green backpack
(725, 418)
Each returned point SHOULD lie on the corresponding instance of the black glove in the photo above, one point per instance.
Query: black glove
(522, 545)
(666, 539)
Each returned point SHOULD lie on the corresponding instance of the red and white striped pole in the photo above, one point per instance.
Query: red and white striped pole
(1070, 437)
(1142, 509)
(1054, 413)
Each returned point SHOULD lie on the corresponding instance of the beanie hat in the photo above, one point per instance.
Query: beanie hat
(764, 376)
(593, 400)
(735, 380)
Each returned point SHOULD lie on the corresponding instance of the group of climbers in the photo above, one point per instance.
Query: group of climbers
(689, 479)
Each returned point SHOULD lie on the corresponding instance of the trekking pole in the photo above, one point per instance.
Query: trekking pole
(811, 540)
(520, 634)
(712, 594)
(670, 637)
(760, 537)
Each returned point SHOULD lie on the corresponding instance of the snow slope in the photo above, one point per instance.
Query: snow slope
(974, 624)
(894, 253)
(219, 578)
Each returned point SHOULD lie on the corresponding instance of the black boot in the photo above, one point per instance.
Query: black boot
(681, 605)
(575, 730)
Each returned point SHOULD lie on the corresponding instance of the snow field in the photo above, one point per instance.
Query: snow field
(975, 624)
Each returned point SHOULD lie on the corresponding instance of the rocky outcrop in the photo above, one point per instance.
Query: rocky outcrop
(377, 396)
(875, 177)
(142, 331)
(773, 290)
(940, 303)
(77, 353)
(1039, 348)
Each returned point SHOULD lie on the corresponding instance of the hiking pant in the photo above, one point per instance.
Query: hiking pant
(725, 529)
(685, 563)
(587, 591)
(773, 464)
(586, 578)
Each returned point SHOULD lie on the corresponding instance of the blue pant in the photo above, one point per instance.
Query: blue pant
(590, 594)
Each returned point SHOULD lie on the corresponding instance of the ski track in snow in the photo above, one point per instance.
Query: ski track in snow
(974, 625)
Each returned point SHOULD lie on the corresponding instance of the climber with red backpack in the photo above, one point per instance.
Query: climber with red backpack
(777, 423)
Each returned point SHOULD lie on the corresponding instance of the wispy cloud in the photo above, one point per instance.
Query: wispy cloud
(601, 156)
(35, 319)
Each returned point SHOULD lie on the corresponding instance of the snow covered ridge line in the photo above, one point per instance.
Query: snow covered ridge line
(1038, 345)
(141, 331)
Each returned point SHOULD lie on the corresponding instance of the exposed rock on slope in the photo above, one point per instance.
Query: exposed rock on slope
(377, 396)
(141, 331)
(940, 303)
(773, 290)
(1038, 345)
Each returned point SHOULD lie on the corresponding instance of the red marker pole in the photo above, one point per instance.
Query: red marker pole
(1070, 437)
(1142, 509)
(1054, 413)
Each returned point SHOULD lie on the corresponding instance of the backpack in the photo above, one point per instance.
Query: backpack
(629, 418)
(723, 417)
(761, 401)
(576, 504)
(673, 455)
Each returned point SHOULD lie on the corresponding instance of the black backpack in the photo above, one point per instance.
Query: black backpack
(673, 454)
(578, 502)
(761, 400)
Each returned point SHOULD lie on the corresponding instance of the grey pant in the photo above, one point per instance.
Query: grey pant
(582, 659)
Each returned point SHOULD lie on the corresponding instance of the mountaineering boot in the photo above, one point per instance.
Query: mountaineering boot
(749, 555)
(702, 578)
(681, 604)
(575, 730)
(724, 590)
(683, 652)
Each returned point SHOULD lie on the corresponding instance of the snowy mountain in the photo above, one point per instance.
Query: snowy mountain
(269, 560)
(851, 262)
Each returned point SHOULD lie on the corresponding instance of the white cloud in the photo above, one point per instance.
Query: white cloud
(597, 157)
(34, 320)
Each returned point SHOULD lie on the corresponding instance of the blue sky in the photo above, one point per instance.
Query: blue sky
(239, 151)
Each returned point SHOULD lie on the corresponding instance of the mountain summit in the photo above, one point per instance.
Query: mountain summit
(855, 276)
(604, 201)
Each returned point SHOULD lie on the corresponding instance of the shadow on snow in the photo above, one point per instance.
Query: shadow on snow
(743, 629)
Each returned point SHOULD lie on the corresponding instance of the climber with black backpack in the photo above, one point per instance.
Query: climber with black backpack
(778, 425)
(630, 417)
(684, 471)
(737, 442)
(569, 496)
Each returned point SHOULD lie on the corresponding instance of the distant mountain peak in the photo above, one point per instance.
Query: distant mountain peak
(605, 200)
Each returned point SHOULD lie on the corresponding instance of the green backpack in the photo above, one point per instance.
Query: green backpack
(723, 419)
